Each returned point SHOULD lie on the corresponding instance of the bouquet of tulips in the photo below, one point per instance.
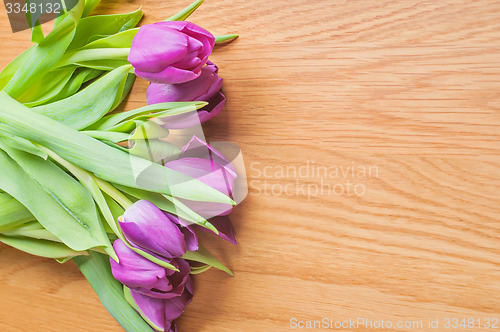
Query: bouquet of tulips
(122, 194)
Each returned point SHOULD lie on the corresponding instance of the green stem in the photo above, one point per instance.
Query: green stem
(94, 54)
(114, 193)
(186, 12)
(225, 38)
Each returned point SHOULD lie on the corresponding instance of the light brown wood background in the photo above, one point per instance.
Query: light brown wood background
(409, 88)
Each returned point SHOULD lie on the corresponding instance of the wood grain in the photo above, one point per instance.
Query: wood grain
(408, 88)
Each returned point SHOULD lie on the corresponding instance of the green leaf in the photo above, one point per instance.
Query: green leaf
(119, 40)
(12, 213)
(41, 248)
(146, 130)
(9, 71)
(47, 86)
(70, 194)
(33, 230)
(94, 186)
(108, 163)
(80, 76)
(37, 33)
(90, 104)
(146, 112)
(44, 207)
(107, 135)
(36, 29)
(23, 145)
(90, 5)
(200, 269)
(225, 38)
(96, 268)
(155, 150)
(99, 25)
(186, 12)
(204, 256)
(103, 64)
(46, 54)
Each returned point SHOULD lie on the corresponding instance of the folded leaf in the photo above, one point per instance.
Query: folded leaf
(44, 207)
(90, 5)
(46, 54)
(96, 268)
(80, 76)
(22, 144)
(146, 112)
(33, 230)
(70, 194)
(12, 213)
(47, 86)
(89, 27)
(202, 255)
(41, 248)
(122, 39)
(90, 104)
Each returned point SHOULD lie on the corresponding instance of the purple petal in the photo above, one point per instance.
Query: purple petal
(224, 226)
(188, 231)
(176, 306)
(169, 75)
(149, 228)
(177, 281)
(153, 309)
(214, 107)
(134, 270)
(155, 47)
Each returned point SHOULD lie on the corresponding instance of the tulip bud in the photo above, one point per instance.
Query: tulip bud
(202, 162)
(204, 88)
(170, 52)
(149, 228)
(148, 278)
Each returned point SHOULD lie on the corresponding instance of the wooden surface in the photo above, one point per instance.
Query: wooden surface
(407, 89)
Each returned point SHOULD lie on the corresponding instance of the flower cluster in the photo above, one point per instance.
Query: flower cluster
(173, 56)
(161, 294)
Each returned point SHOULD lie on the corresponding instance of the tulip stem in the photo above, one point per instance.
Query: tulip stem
(94, 54)
(225, 38)
(114, 193)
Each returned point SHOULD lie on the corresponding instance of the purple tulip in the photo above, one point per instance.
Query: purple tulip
(162, 313)
(148, 278)
(202, 162)
(170, 52)
(149, 228)
(204, 88)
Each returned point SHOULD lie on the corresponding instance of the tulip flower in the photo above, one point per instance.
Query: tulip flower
(202, 162)
(148, 278)
(204, 88)
(170, 52)
(150, 229)
(163, 312)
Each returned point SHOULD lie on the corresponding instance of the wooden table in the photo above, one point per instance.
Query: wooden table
(406, 94)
